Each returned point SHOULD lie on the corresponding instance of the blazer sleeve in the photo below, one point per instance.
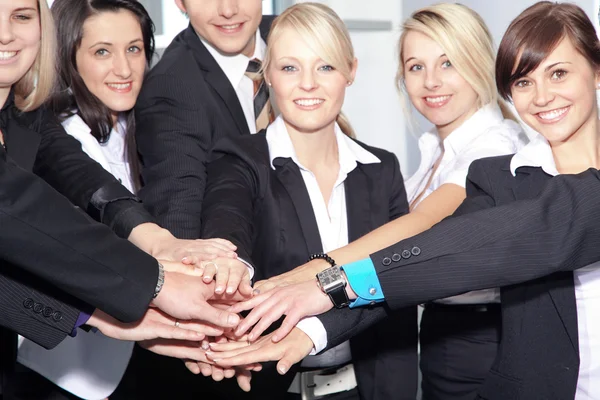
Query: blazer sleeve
(505, 245)
(44, 235)
(342, 324)
(174, 136)
(34, 309)
(65, 166)
(232, 191)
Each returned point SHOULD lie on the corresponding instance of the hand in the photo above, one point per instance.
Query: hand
(160, 243)
(289, 351)
(296, 301)
(185, 297)
(303, 273)
(230, 273)
(154, 324)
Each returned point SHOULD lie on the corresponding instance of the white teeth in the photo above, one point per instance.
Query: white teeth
(309, 102)
(230, 26)
(119, 86)
(5, 55)
(437, 99)
(553, 114)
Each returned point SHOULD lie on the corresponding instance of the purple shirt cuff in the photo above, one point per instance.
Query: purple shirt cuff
(81, 320)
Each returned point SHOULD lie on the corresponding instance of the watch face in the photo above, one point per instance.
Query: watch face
(330, 278)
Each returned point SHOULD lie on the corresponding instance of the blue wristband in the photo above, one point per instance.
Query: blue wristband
(362, 278)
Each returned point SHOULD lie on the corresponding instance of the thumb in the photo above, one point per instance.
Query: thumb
(216, 316)
(188, 269)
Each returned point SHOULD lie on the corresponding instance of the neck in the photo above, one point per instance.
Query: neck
(115, 118)
(315, 149)
(4, 92)
(581, 150)
(445, 130)
(250, 47)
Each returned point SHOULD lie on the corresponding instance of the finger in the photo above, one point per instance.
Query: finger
(250, 303)
(160, 330)
(245, 287)
(291, 357)
(210, 269)
(217, 317)
(267, 312)
(236, 274)
(266, 320)
(217, 373)
(236, 358)
(228, 346)
(192, 366)
(192, 260)
(229, 373)
(201, 328)
(286, 327)
(222, 278)
(265, 286)
(243, 378)
(183, 350)
(205, 369)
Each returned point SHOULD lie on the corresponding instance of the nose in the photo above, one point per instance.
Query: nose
(121, 67)
(543, 95)
(228, 8)
(6, 32)
(432, 79)
(307, 80)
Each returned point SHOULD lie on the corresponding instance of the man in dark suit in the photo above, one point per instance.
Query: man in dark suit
(198, 93)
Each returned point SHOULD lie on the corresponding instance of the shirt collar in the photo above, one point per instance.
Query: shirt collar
(350, 152)
(537, 153)
(235, 66)
(484, 118)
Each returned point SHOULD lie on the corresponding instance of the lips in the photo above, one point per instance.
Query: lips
(7, 55)
(437, 101)
(553, 115)
(231, 28)
(309, 102)
(121, 87)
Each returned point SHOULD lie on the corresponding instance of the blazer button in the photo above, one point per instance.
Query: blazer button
(57, 316)
(396, 257)
(38, 308)
(415, 251)
(386, 261)
(48, 311)
(28, 303)
(406, 254)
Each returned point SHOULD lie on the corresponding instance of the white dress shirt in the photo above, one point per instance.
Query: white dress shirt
(485, 134)
(89, 365)
(538, 153)
(234, 68)
(331, 217)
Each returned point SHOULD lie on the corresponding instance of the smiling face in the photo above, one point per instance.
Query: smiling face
(308, 91)
(20, 35)
(111, 59)
(558, 98)
(434, 86)
(228, 25)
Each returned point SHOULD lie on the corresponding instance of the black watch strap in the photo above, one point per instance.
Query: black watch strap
(338, 297)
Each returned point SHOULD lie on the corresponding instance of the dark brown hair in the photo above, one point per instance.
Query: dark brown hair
(535, 33)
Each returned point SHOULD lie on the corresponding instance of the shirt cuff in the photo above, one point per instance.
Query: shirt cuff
(250, 267)
(84, 317)
(315, 330)
(362, 278)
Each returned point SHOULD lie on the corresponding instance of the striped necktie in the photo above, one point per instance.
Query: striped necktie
(263, 112)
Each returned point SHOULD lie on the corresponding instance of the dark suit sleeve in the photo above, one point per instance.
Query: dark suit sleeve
(173, 135)
(43, 234)
(34, 309)
(231, 194)
(342, 324)
(510, 244)
(65, 166)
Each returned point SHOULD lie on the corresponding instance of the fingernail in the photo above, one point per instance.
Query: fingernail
(251, 337)
(184, 259)
(205, 346)
(275, 339)
(212, 345)
(229, 290)
(219, 289)
(281, 369)
(206, 277)
(233, 319)
(256, 292)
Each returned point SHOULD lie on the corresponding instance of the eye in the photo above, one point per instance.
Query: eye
(415, 67)
(101, 52)
(558, 74)
(446, 64)
(288, 68)
(23, 17)
(326, 68)
(521, 83)
(134, 49)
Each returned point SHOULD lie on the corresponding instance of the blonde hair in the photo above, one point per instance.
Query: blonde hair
(467, 42)
(34, 88)
(326, 35)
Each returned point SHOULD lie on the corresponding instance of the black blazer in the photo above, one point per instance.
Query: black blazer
(268, 215)
(186, 105)
(48, 248)
(524, 234)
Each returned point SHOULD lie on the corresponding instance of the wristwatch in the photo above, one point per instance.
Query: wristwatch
(334, 284)
(161, 280)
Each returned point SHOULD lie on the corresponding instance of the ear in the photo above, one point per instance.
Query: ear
(598, 79)
(181, 6)
(353, 70)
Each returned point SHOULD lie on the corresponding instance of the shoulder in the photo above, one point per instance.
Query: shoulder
(251, 149)
(506, 136)
(387, 158)
(490, 169)
(177, 60)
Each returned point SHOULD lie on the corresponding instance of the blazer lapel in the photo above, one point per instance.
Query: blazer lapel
(216, 78)
(530, 183)
(358, 204)
(290, 177)
(21, 144)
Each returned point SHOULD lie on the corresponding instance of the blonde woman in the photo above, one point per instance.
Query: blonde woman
(304, 187)
(446, 68)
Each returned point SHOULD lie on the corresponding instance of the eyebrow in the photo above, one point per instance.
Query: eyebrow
(549, 67)
(110, 44)
(26, 9)
(414, 58)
